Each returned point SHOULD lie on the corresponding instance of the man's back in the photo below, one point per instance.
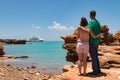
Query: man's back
(95, 26)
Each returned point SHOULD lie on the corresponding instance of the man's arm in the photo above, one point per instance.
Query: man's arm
(93, 35)
(89, 31)
(84, 29)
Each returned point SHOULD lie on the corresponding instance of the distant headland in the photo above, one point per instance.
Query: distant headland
(12, 41)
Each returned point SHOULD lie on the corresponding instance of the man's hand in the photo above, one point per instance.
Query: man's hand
(101, 35)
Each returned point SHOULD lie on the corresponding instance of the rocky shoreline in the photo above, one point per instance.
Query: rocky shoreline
(10, 72)
(109, 59)
(70, 72)
(109, 55)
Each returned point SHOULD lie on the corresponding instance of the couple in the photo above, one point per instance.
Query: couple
(88, 39)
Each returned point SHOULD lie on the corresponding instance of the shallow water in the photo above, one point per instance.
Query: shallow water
(48, 56)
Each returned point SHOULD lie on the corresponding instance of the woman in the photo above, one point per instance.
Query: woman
(82, 47)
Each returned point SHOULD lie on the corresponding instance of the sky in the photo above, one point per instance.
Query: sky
(51, 19)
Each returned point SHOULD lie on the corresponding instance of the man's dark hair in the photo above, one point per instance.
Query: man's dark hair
(93, 13)
(83, 22)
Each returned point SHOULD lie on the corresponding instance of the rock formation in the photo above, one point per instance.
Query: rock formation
(1, 51)
(70, 46)
(109, 39)
(109, 54)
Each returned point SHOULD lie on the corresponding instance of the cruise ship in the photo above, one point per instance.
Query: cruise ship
(36, 39)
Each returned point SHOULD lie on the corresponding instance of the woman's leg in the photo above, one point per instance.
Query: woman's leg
(80, 63)
(79, 50)
(85, 63)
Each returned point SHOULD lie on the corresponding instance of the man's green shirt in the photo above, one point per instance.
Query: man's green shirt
(95, 26)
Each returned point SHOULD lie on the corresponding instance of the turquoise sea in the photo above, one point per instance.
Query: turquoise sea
(48, 56)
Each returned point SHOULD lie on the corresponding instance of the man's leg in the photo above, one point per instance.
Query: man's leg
(95, 60)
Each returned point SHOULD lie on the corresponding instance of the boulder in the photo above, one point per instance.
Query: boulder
(69, 46)
(70, 38)
(22, 57)
(72, 57)
(117, 35)
(110, 56)
(1, 50)
(108, 37)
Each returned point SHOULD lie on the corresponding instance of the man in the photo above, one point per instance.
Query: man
(94, 27)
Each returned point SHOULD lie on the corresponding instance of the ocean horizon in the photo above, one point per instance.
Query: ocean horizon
(47, 56)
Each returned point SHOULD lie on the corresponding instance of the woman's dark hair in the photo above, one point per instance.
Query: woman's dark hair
(83, 22)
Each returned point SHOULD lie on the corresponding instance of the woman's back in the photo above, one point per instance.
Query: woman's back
(84, 35)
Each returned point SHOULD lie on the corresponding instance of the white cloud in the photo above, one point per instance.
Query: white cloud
(35, 26)
(71, 28)
(59, 27)
(4, 35)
